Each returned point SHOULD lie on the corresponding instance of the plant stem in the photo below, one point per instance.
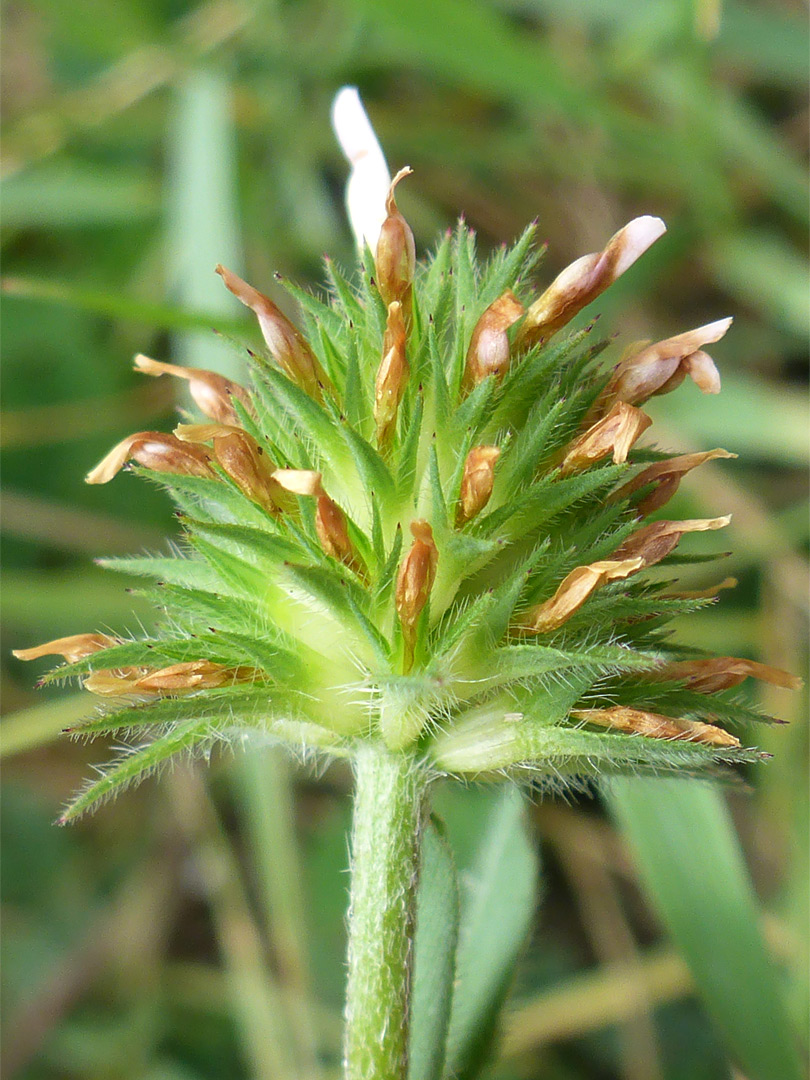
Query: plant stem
(388, 811)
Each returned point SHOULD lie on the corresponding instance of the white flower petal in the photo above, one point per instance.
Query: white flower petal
(369, 179)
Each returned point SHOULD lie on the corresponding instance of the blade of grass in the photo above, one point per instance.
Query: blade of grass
(690, 861)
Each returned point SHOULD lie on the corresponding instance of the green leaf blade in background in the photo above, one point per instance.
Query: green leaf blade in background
(497, 909)
(437, 917)
(691, 863)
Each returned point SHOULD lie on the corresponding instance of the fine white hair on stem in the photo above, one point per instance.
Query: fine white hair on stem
(369, 179)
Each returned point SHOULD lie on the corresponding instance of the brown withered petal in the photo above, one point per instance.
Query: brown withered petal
(395, 257)
(488, 352)
(704, 594)
(659, 368)
(154, 450)
(392, 376)
(654, 542)
(655, 726)
(288, 347)
(244, 460)
(330, 521)
(574, 591)
(417, 572)
(614, 434)
(213, 394)
(72, 648)
(176, 679)
(476, 482)
(587, 278)
(714, 673)
(666, 475)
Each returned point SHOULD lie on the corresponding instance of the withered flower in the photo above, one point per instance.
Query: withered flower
(154, 450)
(585, 279)
(574, 591)
(417, 572)
(72, 648)
(666, 475)
(395, 257)
(662, 367)
(392, 375)
(654, 542)
(614, 434)
(288, 347)
(476, 482)
(655, 726)
(182, 678)
(330, 521)
(243, 459)
(714, 673)
(212, 393)
(488, 352)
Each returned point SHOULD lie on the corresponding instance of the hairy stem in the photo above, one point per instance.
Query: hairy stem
(388, 811)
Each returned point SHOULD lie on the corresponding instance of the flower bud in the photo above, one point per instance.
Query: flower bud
(666, 475)
(392, 375)
(488, 353)
(722, 672)
(395, 258)
(239, 455)
(73, 648)
(655, 726)
(654, 542)
(212, 393)
(287, 345)
(330, 521)
(476, 482)
(417, 572)
(615, 433)
(154, 450)
(585, 279)
(660, 368)
(574, 591)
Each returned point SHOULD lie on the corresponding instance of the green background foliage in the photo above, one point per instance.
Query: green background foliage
(194, 929)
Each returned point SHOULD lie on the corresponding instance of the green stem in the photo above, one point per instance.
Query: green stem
(388, 812)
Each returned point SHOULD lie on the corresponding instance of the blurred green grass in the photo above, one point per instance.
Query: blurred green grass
(121, 956)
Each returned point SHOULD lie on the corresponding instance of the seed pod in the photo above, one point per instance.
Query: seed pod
(392, 376)
(666, 475)
(239, 455)
(654, 542)
(476, 482)
(73, 648)
(717, 673)
(660, 368)
(488, 353)
(395, 258)
(614, 434)
(574, 591)
(212, 393)
(417, 572)
(154, 450)
(653, 725)
(288, 347)
(585, 279)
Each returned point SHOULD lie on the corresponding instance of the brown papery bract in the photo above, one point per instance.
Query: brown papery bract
(395, 257)
(476, 482)
(417, 572)
(182, 678)
(666, 475)
(654, 542)
(239, 455)
(655, 726)
(72, 648)
(392, 376)
(330, 521)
